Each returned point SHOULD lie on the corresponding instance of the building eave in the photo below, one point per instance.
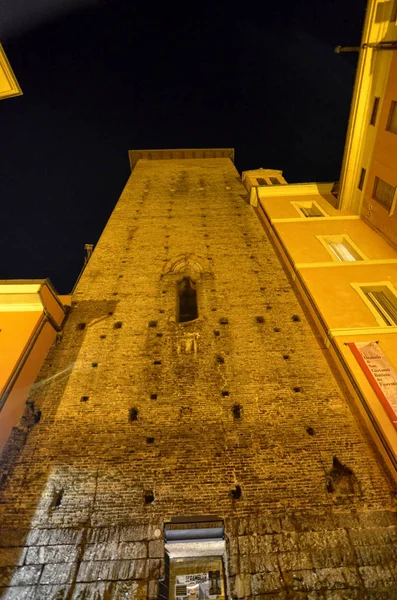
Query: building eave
(9, 85)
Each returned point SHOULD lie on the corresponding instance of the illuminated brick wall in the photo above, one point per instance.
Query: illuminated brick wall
(236, 414)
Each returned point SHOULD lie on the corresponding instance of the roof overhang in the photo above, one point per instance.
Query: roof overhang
(27, 296)
(9, 85)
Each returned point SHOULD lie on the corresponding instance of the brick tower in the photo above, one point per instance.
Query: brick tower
(193, 435)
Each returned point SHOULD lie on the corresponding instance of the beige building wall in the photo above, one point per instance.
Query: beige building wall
(302, 239)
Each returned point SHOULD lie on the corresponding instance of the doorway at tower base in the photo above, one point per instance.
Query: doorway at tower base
(197, 578)
(194, 559)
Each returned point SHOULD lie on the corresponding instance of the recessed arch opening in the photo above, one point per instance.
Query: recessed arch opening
(187, 309)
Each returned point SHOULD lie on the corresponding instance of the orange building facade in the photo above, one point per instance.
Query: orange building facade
(31, 317)
(379, 191)
(368, 179)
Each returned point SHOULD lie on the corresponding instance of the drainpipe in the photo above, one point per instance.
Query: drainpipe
(89, 248)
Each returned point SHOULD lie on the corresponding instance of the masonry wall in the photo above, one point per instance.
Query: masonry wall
(316, 515)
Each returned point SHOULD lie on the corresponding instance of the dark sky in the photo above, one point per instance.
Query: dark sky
(103, 76)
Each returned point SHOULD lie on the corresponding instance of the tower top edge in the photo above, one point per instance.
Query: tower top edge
(179, 153)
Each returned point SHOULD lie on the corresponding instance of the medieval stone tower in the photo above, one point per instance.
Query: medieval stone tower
(193, 441)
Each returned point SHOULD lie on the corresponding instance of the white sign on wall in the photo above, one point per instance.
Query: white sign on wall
(380, 373)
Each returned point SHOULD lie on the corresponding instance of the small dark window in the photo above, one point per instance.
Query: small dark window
(275, 181)
(236, 411)
(393, 16)
(374, 111)
(149, 497)
(362, 179)
(261, 181)
(392, 120)
(133, 414)
(56, 500)
(187, 301)
(236, 493)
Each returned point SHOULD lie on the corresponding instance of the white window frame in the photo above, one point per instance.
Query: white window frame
(376, 286)
(341, 239)
(308, 204)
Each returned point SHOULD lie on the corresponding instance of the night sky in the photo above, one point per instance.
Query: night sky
(101, 77)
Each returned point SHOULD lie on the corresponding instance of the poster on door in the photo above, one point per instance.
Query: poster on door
(199, 586)
(380, 374)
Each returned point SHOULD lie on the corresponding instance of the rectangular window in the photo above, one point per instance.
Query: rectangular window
(187, 301)
(341, 248)
(383, 301)
(310, 211)
(362, 179)
(384, 193)
(374, 111)
(392, 120)
(274, 180)
(261, 181)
